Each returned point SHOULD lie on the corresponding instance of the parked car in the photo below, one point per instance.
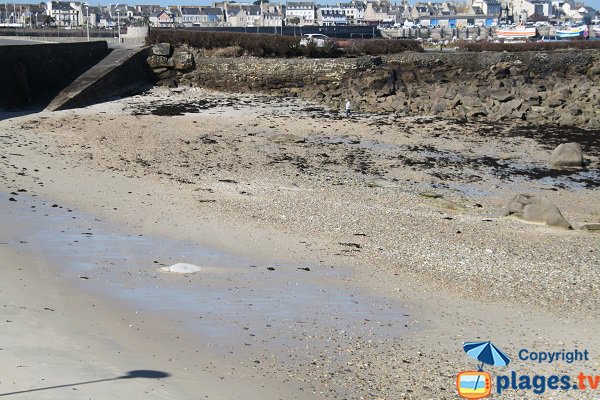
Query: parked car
(317, 39)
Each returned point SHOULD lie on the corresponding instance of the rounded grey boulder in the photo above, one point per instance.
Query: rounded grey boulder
(567, 155)
(530, 208)
(162, 49)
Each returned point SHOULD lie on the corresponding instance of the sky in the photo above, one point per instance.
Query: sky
(592, 3)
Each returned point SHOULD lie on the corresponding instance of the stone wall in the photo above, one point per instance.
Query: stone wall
(29, 71)
(560, 87)
(60, 39)
(136, 35)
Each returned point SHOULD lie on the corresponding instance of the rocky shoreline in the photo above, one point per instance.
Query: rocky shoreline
(538, 88)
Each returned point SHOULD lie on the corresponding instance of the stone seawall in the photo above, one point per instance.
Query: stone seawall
(560, 87)
(30, 70)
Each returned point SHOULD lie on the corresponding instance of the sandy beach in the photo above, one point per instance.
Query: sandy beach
(343, 258)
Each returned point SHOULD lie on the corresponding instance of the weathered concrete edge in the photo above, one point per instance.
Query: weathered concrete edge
(124, 78)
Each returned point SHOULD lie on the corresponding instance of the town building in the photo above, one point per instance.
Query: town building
(354, 12)
(190, 16)
(524, 9)
(302, 12)
(162, 18)
(63, 14)
(331, 16)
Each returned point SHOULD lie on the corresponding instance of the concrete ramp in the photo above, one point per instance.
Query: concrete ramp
(121, 72)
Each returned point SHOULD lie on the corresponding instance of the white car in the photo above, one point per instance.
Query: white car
(317, 39)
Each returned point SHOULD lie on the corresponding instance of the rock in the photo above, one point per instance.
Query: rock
(382, 183)
(169, 82)
(438, 108)
(431, 195)
(183, 60)
(530, 94)
(567, 155)
(502, 96)
(169, 73)
(451, 92)
(449, 205)
(530, 208)
(159, 61)
(162, 49)
(593, 123)
(181, 268)
(591, 227)
(397, 106)
(558, 97)
(477, 112)
(470, 101)
(512, 104)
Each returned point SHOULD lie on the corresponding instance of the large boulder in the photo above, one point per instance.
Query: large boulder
(567, 155)
(162, 49)
(530, 208)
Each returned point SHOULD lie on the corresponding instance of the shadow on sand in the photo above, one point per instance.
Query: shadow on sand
(142, 373)
(35, 106)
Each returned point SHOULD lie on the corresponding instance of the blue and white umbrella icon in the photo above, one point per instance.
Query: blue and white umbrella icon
(486, 353)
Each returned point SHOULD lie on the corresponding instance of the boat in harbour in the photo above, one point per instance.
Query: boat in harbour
(519, 32)
(571, 32)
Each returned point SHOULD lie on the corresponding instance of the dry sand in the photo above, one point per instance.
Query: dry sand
(282, 182)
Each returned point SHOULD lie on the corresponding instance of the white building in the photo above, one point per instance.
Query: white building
(490, 7)
(63, 14)
(304, 11)
(190, 16)
(355, 12)
(331, 16)
(243, 15)
(522, 9)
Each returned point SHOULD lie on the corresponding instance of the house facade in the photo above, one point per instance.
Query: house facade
(376, 13)
(161, 18)
(527, 8)
(304, 11)
(354, 12)
(190, 16)
(211, 16)
(331, 16)
(63, 14)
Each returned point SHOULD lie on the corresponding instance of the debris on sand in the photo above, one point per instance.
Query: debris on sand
(181, 268)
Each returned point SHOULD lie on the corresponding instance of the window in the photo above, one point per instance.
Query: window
(539, 9)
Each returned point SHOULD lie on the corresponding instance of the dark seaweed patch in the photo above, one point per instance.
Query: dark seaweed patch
(165, 109)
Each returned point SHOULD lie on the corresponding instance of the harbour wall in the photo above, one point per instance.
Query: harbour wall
(558, 87)
(30, 71)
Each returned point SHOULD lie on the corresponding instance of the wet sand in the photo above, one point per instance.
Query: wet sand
(281, 183)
